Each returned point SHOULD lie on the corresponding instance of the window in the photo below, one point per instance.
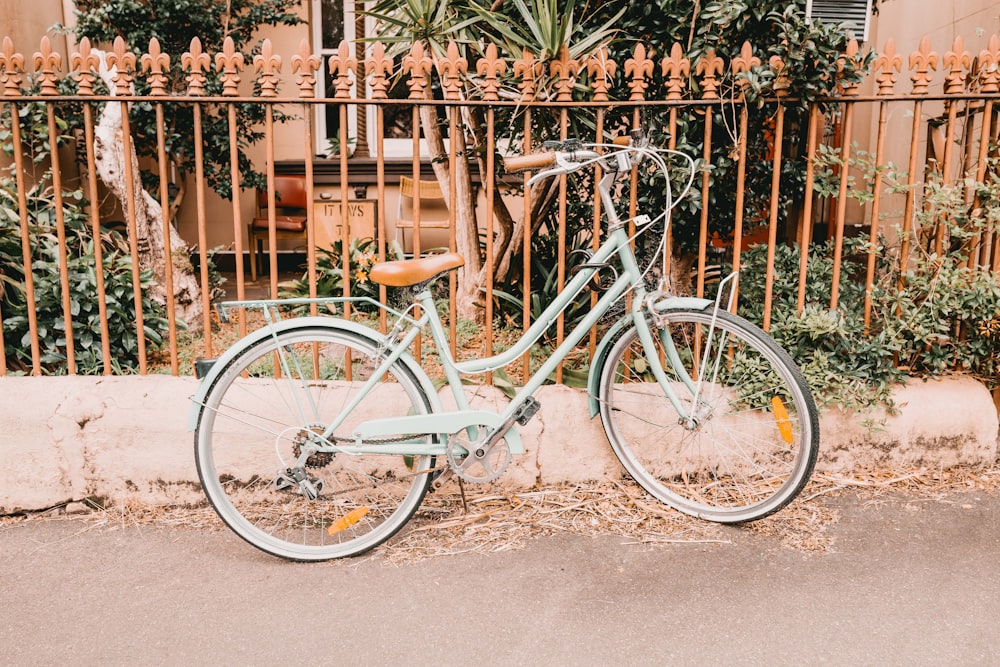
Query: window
(333, 22)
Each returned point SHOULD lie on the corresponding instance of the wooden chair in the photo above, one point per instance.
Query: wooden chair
(291, 206)
(433, 208)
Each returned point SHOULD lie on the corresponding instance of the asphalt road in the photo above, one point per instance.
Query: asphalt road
(905, 583)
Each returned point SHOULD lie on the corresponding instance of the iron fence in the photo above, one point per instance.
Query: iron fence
(776, 188)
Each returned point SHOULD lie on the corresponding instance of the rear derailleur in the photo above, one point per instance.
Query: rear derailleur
(297, 481)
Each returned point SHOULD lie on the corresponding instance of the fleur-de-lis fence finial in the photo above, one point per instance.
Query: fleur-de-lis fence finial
(267, 65)
(83, 63)
(47, 64)
(565, 71)
(11, 69)
(638, 69)
(676, 68)
(710, 67)
(379, 67)
(529, 70)
(957, 61)
(157, 64)
(196, 62)
(418, 65)
(229, 63)
(921, 62)
(342, 66)
(451, 69)
(491, 67)
(743, 63)
(989, 66)
(123, 60)
(887, 64)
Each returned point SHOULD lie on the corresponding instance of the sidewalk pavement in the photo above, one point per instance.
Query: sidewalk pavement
(908, 581)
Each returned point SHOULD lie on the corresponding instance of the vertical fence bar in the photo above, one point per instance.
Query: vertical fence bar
(528, 69)
(564, 70)
(26, 255)
(710, 66)
(453, 146)
(379, 67)
(196, 62)
(47, 63)
(228, 64)
(123, 61)
(490, 67)
(780, 91)
(703, 223)
(490, 228)
(741, 65)
(155, 62)
(168, 269)
(921, 61)
(595, 241)
(805, 233)
(676, 69)
(954, 85)
(57, 197)
(526, 246)
(838, 247)
(85, 61)
(601, 69)
(451, 69)
(772, 225)
(199, 197)
(888, 62)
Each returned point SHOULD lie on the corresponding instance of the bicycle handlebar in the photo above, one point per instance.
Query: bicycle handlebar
(529, 161)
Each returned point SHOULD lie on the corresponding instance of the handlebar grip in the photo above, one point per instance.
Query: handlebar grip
(622, 141)
(530, 161)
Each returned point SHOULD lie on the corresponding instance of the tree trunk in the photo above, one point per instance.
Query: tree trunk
(111, 163)
(469, 298)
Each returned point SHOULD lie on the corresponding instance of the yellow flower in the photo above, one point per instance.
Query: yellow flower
(360, 276)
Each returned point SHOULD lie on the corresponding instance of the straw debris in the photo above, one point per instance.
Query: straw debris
(493, 519)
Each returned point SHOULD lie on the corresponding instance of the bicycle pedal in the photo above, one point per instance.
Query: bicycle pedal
(527, 410)
(438, 479)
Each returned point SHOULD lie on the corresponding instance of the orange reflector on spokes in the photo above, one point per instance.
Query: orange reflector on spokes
(781, 418)
(347, 520)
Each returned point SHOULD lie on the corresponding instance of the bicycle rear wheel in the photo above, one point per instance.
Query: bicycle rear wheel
(753, 441)
(266, 405)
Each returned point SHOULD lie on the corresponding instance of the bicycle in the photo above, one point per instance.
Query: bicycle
(318, 437)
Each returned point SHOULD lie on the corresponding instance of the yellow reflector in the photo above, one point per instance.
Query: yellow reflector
(346, 521)
(781, 417)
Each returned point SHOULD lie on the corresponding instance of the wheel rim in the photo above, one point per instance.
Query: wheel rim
(254, 424)
(753, 444)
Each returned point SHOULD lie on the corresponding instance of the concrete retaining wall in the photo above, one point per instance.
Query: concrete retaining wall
(124, 438)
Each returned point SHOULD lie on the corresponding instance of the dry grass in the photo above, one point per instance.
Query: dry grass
(494, 520)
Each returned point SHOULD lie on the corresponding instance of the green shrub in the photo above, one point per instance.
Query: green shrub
(941, 316)
(84, 305)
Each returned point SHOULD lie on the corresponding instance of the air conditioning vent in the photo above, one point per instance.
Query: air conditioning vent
(855, 13)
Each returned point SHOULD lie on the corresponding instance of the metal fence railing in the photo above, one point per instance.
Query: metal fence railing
(779, 173)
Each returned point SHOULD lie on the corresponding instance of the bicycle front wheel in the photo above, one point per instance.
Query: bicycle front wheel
(268, 404)
(746, 439)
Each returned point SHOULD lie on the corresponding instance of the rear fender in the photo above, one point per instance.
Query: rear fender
(256, 337)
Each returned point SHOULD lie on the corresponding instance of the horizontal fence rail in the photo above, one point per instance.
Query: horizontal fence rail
(777, 173)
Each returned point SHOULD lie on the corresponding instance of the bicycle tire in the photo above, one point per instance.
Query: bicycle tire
(755, 443)
(253, 425)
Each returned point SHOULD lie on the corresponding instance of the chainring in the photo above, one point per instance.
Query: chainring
(477, 464)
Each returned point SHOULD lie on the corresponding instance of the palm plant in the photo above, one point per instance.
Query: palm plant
(543, 28)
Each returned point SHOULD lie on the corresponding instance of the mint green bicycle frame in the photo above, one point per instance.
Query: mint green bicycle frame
(394, 347)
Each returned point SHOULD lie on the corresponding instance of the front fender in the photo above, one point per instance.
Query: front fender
(612, 335)
(260, 335)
